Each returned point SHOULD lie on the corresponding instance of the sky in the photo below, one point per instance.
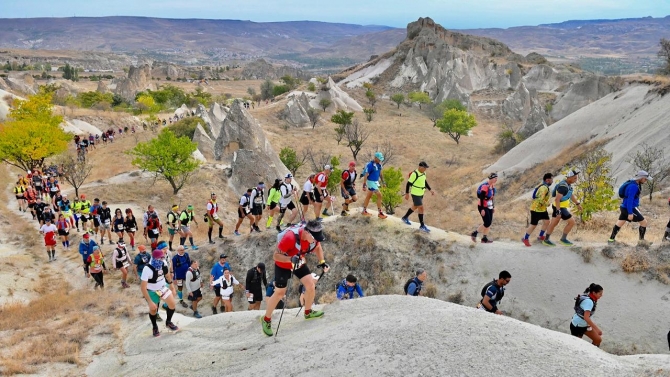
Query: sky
(460, 14)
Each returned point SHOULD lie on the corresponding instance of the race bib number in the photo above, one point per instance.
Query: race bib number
(489, 204)
(215, 217)
(164, 293)
(132, 230)
(154, 231)
(107, 222)
(126, 264)
(258, 200)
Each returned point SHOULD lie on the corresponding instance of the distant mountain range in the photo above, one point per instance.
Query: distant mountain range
(311, 43)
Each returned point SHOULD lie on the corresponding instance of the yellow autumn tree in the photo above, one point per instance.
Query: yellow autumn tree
(32, 133)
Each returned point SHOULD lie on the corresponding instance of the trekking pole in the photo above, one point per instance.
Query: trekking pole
(317, 283)
(288, 289)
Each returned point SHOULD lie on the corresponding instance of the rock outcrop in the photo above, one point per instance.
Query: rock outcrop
(168, 70)
(339, 98)
(235, 138)
(295, 110)
(523, 107)
(102, 87)
(261, 70)
(580, 94)
(139, 79)
(23, 83)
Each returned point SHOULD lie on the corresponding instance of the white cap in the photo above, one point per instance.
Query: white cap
(642, 174)
(327, 167)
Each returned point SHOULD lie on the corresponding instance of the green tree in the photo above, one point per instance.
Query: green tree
(290, 159)
(652, 160)
(89, 99)
(202, 97)
(290, 82)
(335, 176)
(168, 157)
(391, 194)
(324, 103)
(279, 90)
(436, 110)
(456, 123)
(398, 98)
(186, 127)
(311, 87)
(267, 88)
(314, 116)
(343, 119)
(147, 105)
(419, 97)
(595, 186)
(32, 133)
(251, 91)
(369, 112)
(371, 96)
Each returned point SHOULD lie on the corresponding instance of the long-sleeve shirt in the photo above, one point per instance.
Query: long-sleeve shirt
(86, 249)
(193, 280)
(343, 289)
(181, 264)
(255, 281)
(631, 197)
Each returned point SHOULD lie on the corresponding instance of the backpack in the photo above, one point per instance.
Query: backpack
(296, 230)
(481, 194)
(341, 284)
(365, 171)
(406, 287)
(156, 273)
(501, 291)
(537, 188)
(623, 188)
(578, 301)
(175, 217)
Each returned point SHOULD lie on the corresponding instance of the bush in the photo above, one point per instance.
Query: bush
(391, 194)
(186, 127)
(311, 87)
(279, 90)
(507, 139)
(456, 123)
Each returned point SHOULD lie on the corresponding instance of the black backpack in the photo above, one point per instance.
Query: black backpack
(501, 291)
(406, 287)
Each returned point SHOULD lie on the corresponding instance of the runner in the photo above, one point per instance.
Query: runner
(95, 267)
(53, 188)
(288, 191)
(121, 261)
(31, 197)
(130, 226)
(212, 217)
(493, 293)
(155, 287)
(418, 183)
(85, 213)
(141, 259)
(76, 209)
(49, 231)
(347, 287)
(255, 280)
(538, 209)
(38, 183)
(118, 223)
(244, 211)
(173, 224)
(582, 321)
(348, 187)
(273, 202)
(413, 286)
(193, 286)
(95, 210)
(180, 264)
(257, 199)
(321, 194)
(630, 212)
(86, 247)
(38, 208)
(105, 214)
(561, 208)
(372, 175)
(227, 282)
(55, 201)
(19, 191)
(153, 229)
(307, 196)
(289, 259)
(185, 219)
(48, 214)
(63, 230)
(486, 207)
(215, 273)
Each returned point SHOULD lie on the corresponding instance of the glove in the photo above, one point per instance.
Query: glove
(295, 259)
(322, 265)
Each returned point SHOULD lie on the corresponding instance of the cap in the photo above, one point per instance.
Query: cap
(212, 194)
(379, 156)
(493, 175)
(190, 207)
(162, 245)
(642, 174)
(352, 164)
(289, 175)
(141, 248)
(261, 266)
(87, 236)
(121, 243)
(315, 229)
(423, 164)
(64, 195)
(573, 172)
(96, 247)
(157, 254)
(83, 196)
(222, 256)
(327, 167)
(261, 184)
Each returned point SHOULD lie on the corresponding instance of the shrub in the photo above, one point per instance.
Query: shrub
(186, 127)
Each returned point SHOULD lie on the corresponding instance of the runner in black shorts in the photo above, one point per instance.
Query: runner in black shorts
(630, 193)
(348, 187)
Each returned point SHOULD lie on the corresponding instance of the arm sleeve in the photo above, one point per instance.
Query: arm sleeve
(359, 290)
(340, 292)
(407, 187)
(411, 289)
(250, 276)
(629, 199)
(427, 185)
(189, 277)
(88, 261)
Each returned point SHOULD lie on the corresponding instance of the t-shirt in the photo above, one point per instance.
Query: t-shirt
(212, 208)
(587, 305)
(373, 170)
(244, 201)
(141, 260)
(148, 273)
(492, 292)
(321, 180)
(50, 228)
(308, 186)
(229, 285)
(287, 246)
(273, 196)
(286, 193)
(180, 264)
(541, 201)
(217, 271)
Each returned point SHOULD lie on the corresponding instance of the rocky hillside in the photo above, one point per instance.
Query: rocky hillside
(451, 65)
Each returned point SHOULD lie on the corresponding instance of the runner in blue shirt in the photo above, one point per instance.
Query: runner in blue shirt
(372, 177)
(216, 273)
(347, 287)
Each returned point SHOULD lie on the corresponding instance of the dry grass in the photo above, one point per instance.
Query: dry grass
(635, 261)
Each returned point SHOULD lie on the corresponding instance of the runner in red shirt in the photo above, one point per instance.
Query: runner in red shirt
(321, 194)
(294, 243)
(49, 231)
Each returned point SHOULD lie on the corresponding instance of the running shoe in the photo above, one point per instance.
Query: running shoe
(237, 233)
(314, 314)
(424, 228)
(473, 237)
(221, 236)
(156, 332)
(278, 228)
(158, 317)
(548, 243)
(212, 242)
(525, 241)
(366, 213)
(565, 242)
(183, 303)
(325, 214)
(214, 310)
(486, 240)
(267, 326)
(540, 238)
(344, 213)
(197, 315)
(194, 247)
(381, 215)
(406, 221)
(611, 241)
(171, 326)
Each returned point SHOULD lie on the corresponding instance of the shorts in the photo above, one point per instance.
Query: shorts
(417, 201)
(120, 264)
(305, 198)
(488, 215)
(154, 297)
(84, 218)
(31, 205)
(179, 282)
(290, 206)
(96, 222)
(106, 226)
(348, 192)
(317, 195)
(373, 186)
(578, 331)
(185, 229)
(19, 197)
(563, 212)
(52, 194)
(273, 205)
(242, 213)
(39, 189)
(258, 296)
(217, 291)
(195, 295)
(120, 231)
(63, 232)
(172, 231)
(282, 275)
(257, 210)
(637, 216)
(535, 217)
